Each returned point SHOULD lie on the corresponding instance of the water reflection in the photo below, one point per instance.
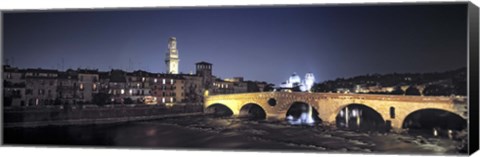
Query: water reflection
(302, 114)
(227, 133)
(361, 118)
(306, 117)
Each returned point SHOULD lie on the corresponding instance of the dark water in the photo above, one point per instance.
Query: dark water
(207, 132)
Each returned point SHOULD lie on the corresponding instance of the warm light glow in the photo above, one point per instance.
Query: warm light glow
(150, 100)
(155, 80)
(81, 86)
(206, 93)
(163, 81)
(130, 91)
(171, 99)
(122, 91)
(163, 100)
(171, 81)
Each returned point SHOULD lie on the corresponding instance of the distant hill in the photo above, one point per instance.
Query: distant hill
(436, 83)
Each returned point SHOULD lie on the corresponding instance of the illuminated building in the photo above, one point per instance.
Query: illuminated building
(295, 81)
(13, 86)
(88, 81)
(171, 59)
(41, 86)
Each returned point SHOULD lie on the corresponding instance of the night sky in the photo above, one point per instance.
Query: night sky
(258, 43)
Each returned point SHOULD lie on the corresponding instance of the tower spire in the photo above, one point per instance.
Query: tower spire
(171, 59)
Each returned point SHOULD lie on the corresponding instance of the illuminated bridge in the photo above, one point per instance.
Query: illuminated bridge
(392, 110)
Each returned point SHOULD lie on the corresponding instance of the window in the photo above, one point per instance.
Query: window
(122, 91)
(94, 87)
(81, 86)
(28, 91)
(171, 81)
(163, 81)
(392, 112)
(155, 80)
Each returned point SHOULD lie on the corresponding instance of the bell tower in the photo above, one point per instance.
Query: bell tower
(171, 59)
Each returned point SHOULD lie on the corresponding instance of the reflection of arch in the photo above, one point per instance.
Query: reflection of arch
(360, 117)
(297, 107)
(253, 110)
(219, 110)
(428, 118)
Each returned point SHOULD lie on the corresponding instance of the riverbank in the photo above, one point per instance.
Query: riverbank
(96, 121)
(91, 114)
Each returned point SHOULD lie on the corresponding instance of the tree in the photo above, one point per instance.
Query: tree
(127, 101)
(412, 91)
(437, 90)
(101, 98)
(268, 88)
(397, 91)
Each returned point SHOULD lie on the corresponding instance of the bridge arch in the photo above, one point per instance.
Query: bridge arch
(253, 110)
(296, 108)
(428, 119)
(219, 109)
(357, 116)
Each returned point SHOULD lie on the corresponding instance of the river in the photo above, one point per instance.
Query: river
(209, 132)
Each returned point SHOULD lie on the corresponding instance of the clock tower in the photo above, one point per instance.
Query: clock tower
(171, 59)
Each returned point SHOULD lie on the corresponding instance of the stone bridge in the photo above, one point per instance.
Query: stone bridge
(328, 105)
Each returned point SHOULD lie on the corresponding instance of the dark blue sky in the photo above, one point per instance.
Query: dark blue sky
(259, 43)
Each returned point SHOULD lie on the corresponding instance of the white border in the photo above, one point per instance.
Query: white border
(6, 5)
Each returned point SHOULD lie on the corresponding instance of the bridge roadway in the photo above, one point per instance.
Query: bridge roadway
(328, 105)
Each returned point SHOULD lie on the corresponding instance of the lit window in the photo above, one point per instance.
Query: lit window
(171, 81)
(163, 81)
(226, 86)
(138, 85)
(81, 86)
(130, 91)
(171, 99)
(94, 87)
(122, 91)
(155, 80)
(163, 100)
(143, 79)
